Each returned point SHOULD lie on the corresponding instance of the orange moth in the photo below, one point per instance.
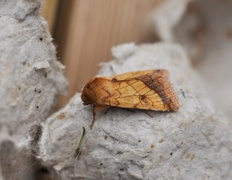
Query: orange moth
(148, 90)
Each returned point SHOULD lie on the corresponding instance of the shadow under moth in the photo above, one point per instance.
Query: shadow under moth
(148, 90)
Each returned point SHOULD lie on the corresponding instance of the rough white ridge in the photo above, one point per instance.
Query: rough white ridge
(193, 143)
(166, 16)
(31, 77)
(206, 33)
(30, 80)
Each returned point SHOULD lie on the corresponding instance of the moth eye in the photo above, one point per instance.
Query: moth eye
(89, 86)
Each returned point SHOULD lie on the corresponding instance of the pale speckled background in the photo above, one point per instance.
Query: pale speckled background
(193, 143)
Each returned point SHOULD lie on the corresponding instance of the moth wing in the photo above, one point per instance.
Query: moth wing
(131, 75)
(133, 93)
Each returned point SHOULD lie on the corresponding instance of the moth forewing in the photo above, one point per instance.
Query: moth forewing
(134, 74)
(149, 90)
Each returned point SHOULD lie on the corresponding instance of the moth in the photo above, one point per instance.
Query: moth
(148, 90)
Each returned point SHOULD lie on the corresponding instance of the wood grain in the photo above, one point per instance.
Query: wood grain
(87, 30)
(48, 11)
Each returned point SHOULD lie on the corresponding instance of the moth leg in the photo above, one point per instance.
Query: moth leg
(97, 108)
(148, 114)
(107, 109)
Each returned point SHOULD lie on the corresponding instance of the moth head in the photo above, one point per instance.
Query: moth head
(87, 95)
(92, 91)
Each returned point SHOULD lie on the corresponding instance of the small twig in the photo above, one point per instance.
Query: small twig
(79, 149)
(80, 144)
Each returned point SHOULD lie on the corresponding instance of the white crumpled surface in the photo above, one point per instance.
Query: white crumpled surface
(30, 81)
(193, 143)
(166, 16)
(204, 29)
(208, 35)
(31, 77)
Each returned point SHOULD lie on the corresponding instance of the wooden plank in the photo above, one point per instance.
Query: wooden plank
(48, 11)
(87, 30)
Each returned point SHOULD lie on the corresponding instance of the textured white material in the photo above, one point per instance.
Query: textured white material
(193, 143)
(123, 51)
(31, 77)
(15, 159)
(166, 16)
(19, 9)
(206, 33)
(30, 80)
